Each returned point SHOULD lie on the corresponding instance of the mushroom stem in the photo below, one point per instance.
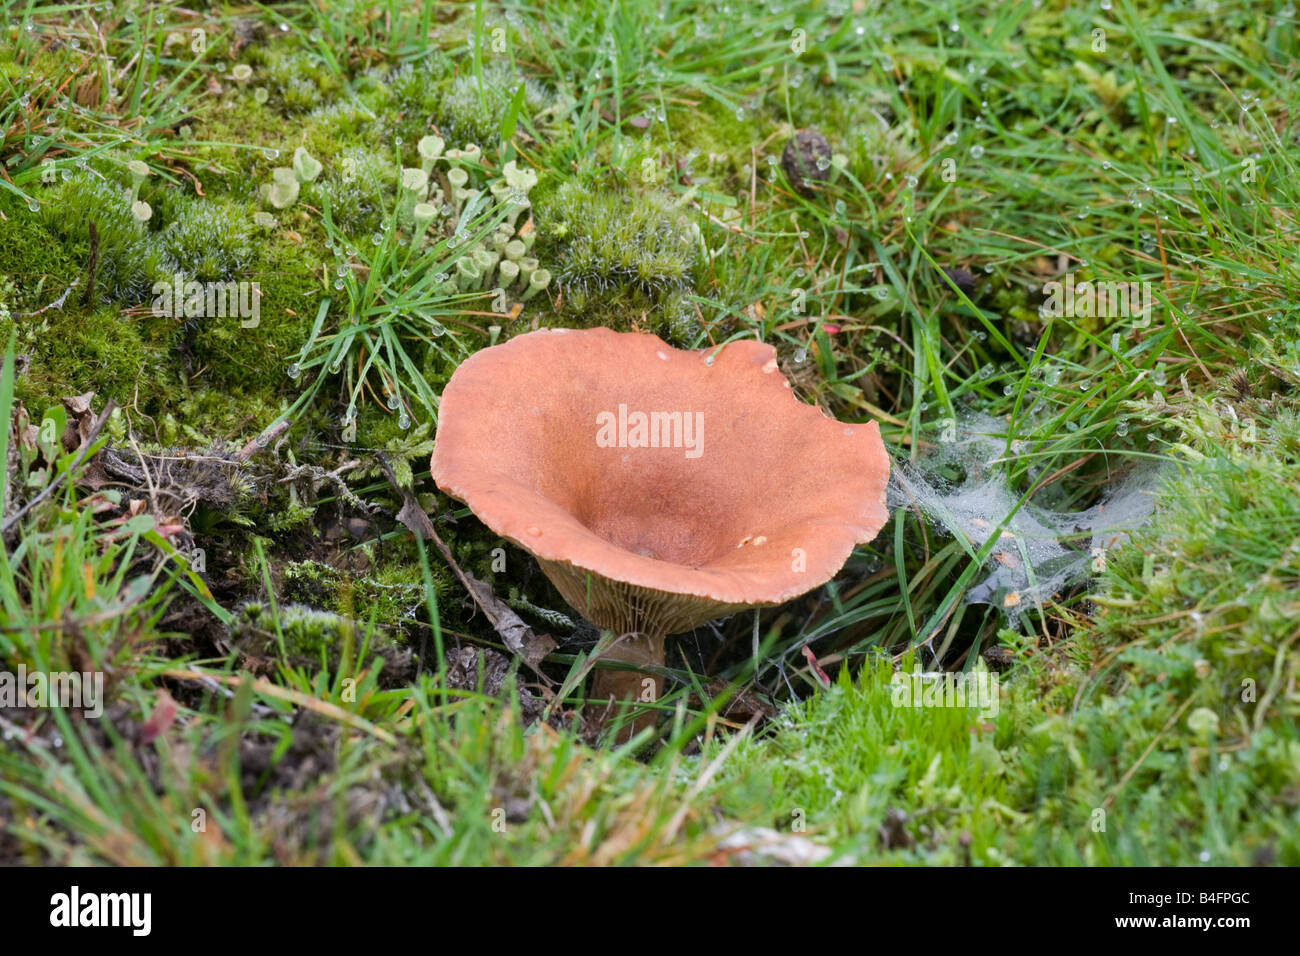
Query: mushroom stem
(632, 685)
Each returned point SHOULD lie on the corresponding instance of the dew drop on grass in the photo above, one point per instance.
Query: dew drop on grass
(1053, 376)
(951, 139)
(1105, 4)
(403, 420)
(800, 356)
(976, 151)
(33, 205)
(1158, 376)
(1121, 429)
(376, 238)
(295, 371)
(338, 283)
(955, 27)
(841, 207)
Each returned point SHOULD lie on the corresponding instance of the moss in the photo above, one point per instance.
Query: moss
(601, 240)
(314, 638)
(392, 595)
(38, 265)
(359, 182)
(472, 110)
(209, 239)
(129, 261)
(297, 81)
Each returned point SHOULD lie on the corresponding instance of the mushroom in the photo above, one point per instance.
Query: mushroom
(658, 488)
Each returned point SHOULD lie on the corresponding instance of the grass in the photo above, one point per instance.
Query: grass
(274, 640)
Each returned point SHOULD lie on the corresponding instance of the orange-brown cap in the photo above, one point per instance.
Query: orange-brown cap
(658, 488)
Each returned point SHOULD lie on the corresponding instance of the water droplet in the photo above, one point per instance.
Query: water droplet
(740, 112)
(1121, 429)
(1053, 376)
(708, 360)
(394, 400)
(800, 356)
(295, 371)
(841, 207)
(1158, 376)
(272, 154)
(338, 283)
(951, 139)
(1105, 4)
(823, 163)
(403, 420)
(1105, 164)
(33, 205)
(954, 26)
(976, 151)
(986, 371)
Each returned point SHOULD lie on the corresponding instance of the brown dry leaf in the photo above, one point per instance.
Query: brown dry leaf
(80, 420)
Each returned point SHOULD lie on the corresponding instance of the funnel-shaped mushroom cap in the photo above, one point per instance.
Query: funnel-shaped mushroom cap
(658, 488)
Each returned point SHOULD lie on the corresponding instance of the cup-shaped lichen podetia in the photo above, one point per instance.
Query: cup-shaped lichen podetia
(658, 488)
